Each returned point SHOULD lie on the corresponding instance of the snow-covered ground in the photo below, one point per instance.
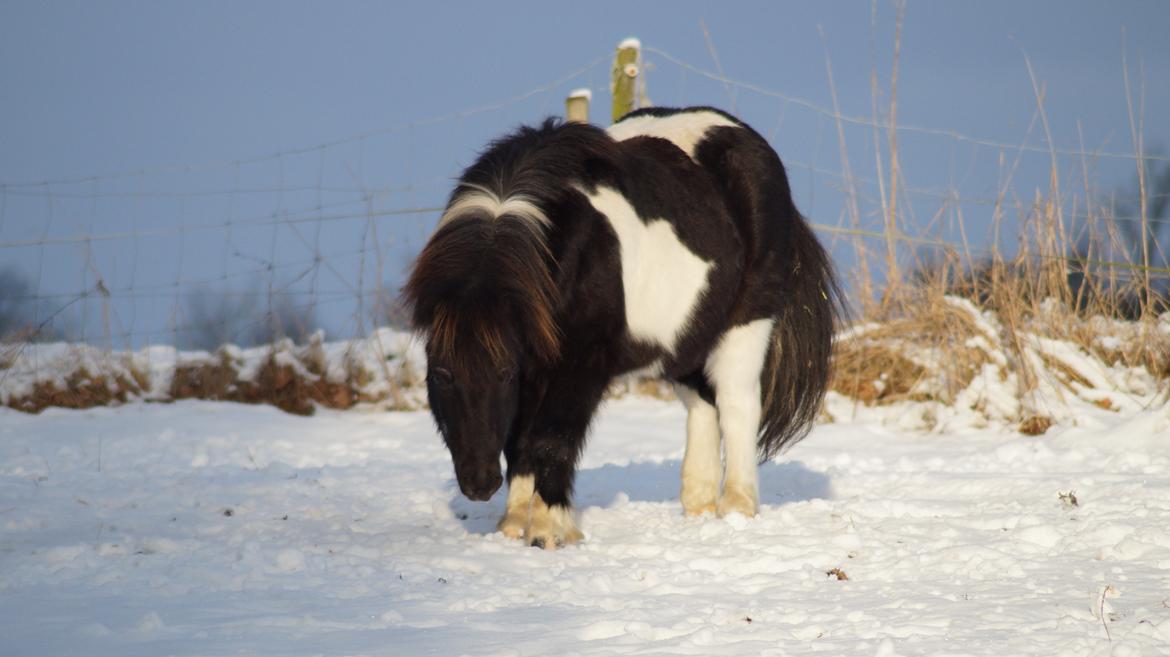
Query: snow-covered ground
(201, 528)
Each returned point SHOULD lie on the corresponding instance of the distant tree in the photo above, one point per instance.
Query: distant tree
(217, 317)
(282, 317)
(18, 309)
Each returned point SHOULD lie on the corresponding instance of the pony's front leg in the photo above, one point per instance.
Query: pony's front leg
(550, 522)
(553, 446)
(521, 480)
(521, 489)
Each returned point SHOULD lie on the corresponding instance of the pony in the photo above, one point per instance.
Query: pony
(568, 255)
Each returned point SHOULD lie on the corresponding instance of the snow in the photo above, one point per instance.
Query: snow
(583, 92)
(207, 528)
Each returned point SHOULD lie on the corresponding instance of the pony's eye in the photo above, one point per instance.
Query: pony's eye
(440, 377)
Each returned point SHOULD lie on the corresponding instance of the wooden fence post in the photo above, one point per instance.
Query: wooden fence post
(624, 79)
(577, 106)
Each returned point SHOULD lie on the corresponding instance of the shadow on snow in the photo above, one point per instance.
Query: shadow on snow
(780, 483)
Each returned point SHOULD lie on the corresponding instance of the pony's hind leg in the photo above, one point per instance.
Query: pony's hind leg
(734, 369)
(701, 468)
(516, 512)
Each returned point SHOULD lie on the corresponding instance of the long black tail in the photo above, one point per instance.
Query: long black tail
(798, 368)
(788, 276)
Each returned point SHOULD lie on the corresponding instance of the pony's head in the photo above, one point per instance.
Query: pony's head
(474, 363)
(482, 295)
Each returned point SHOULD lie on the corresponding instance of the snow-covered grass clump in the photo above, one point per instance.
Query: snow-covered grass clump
(384, 369)
(947, 365)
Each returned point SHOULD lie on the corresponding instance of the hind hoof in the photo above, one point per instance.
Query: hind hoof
(692, 511)
(738, 500)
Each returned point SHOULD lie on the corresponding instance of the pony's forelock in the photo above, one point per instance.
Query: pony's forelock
(507, 260)
(481, 201)
(449, 325)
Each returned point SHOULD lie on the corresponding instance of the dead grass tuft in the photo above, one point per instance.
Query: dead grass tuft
(280, 384)
(873, 373)
(1035, 425)
(81, 390)
(838, 574)
(930, 354)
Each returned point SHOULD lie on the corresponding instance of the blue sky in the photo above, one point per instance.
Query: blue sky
(181, 92)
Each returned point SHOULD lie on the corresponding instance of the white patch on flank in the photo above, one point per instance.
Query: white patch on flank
(701, 468)
(485, 200)
(662, 278)
(515, 519)
(685, 129)
(734, 370)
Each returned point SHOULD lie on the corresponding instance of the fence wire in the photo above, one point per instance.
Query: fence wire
(319, 236)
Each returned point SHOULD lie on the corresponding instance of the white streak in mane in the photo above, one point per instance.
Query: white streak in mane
(685, 129)
(482, 200)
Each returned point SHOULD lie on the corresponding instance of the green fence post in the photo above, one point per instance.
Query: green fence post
(624, 80)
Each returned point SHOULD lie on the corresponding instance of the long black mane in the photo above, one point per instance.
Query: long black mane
(478, 270)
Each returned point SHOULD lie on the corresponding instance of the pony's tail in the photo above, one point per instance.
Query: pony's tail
(797, 370)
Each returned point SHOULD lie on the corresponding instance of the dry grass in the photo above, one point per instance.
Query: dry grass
(1081, 290)
(929, 351)
(1018, 320)
(81, 390)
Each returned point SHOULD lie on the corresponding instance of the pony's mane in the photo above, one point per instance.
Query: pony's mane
(489, 261)
(476, 274)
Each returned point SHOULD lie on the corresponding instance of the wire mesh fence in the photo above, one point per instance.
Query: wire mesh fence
(247, 250)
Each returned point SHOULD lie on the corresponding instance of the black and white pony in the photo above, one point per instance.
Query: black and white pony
(568, 255)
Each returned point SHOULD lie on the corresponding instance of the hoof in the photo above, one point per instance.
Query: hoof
(551, 527)
(691, 511)
(738, 500)
(698, 499)
(512, 525)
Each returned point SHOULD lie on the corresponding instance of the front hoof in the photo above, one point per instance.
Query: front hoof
(551, 527)
(553, 542)
(738, 500)
(512, 525)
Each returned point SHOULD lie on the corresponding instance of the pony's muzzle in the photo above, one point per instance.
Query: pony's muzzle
(480, 484)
